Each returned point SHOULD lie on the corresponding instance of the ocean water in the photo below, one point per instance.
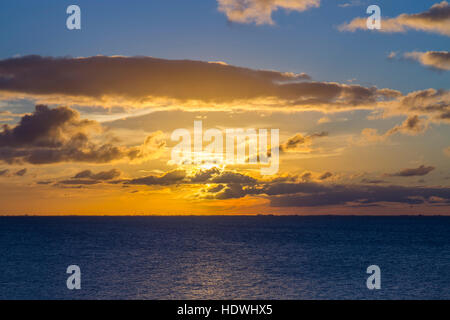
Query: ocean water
(225, 257)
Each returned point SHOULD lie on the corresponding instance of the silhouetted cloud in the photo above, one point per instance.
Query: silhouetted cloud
(362, 195)
(21, 173)
(420, 171)
(373, 181)
(232, 177)
(210, 176)
(313, 194)
(301, 143)
(204, 175)
(168, 178)
(103, 175)
(325, 176)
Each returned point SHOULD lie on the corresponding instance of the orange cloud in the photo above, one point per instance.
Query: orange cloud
(439, 60)
(260, 11)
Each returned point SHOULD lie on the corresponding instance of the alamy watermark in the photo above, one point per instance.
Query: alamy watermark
(227, 147)
(374, 21)
(374, 280)
(74, 280)
(73, 21)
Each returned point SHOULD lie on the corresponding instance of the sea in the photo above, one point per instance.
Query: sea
(225, 257)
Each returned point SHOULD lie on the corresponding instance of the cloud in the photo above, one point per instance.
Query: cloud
(430, 102)
(232, 177)
(88, 177)
(439, 60)
(21, 173)
(103, 175)
(352, 3)
(435, 20)
(168, 178)
(59, 135)
(325, 176)
(260, 11)
(392, 55)
(307, 176)
(420, 171)
(204, 175)
(150, 82)
(362, 195)
(413, 125)
(373, 181)
(300, 143)
(315, 194)
(210, 176)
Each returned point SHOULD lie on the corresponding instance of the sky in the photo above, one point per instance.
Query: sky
(88, 115)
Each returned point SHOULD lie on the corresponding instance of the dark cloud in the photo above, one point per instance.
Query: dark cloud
(137, 77)
(306, 176)
(232, 177)
(103, 175)
(285, 193)
(78, 182)
(87, 177)
(204, 175)
(21, 173)
(44, 128)
(312, 194)
(210, 176)
(216, 188)
(373, 181)
(325, 176)
(300, 143)
(420, 171)
(362, 195)
(168, 178)
(146, 79)
(59, 135)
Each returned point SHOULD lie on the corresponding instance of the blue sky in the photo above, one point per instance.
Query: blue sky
(299, 42)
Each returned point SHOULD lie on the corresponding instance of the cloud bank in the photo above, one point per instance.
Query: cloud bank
(146, 81)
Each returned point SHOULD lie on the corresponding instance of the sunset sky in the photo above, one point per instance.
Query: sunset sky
(87, 115)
